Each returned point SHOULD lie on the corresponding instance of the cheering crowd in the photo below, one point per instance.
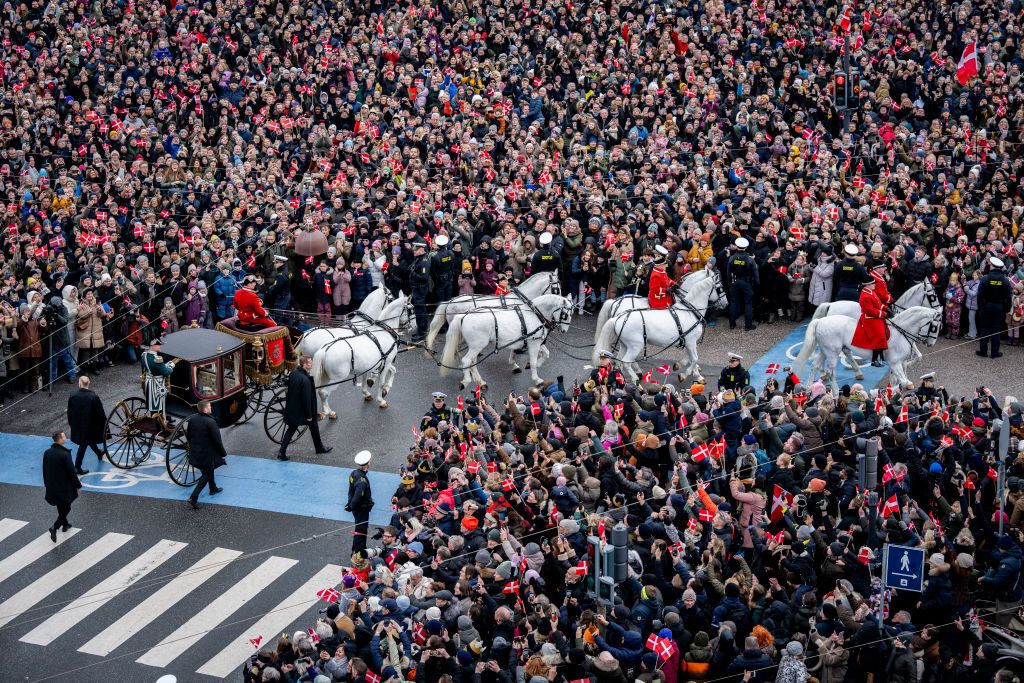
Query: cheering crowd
(752, 551)
(155, 154)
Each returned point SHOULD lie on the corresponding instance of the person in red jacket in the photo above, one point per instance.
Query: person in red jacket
(871, 332)
(881, 287)
(659, 290)
(250, 307)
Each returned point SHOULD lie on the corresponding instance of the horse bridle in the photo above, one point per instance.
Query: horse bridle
(929, 337)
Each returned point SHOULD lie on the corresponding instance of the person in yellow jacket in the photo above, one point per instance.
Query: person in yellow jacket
(700, 253)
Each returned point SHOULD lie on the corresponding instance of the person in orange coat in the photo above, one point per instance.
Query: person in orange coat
(871, 332)
(659, 289)
(250, 307)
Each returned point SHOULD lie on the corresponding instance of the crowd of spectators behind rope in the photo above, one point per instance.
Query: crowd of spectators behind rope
(154, 153)
(478, 577)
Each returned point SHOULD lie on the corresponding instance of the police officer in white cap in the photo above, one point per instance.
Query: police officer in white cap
(994, 302)
(849, 275)
(544, 259)
(360, 500)
(741, 270)
(734, 376)
(442, 269)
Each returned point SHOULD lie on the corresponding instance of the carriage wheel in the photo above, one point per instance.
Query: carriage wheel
(273, 419)
(129, 434)
(255, 400)
(179, 468)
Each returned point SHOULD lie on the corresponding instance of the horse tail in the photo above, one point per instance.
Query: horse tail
(807, 349)
(436, 323)
(451, 345)
(604, 339)
(321, 375)
(820, 312)
(602, 317)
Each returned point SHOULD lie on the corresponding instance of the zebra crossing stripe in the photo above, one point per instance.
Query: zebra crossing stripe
(27, 554)
(287, 612)
(48, 584)
(73, 613)
(211, 616)
(150, 609)
(9, 526)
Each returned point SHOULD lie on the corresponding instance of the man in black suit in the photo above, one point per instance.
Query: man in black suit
(205, 450)
(300, 408)
(60, 480)
(86, 418)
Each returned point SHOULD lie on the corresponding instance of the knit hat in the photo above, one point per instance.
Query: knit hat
(816, 486)
(937, 559)
(688, 594)
(794, 649)
(965, 560)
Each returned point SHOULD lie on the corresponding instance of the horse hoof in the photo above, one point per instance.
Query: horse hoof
(462, 386)
(333, 416)
(384, 393)
(383, 405)
(367, 397)
(859, 375)
(516, 370)
(319, 416)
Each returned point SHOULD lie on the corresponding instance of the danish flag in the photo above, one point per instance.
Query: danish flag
(664, 369)
(459, 405)
(705, 515)
(473, 467)
(507, 484)
(512, 587)
(369, 675)
(798, 232)
(892, 506)
(772, 368)
(581, 568)
(903, 416)
(700, 454)
(967, 67)
(781, 501)
(691, 524)
(879, 405)
(328, 594)
(600, 529)
(255, 642)
(718, 448)
(313, 636)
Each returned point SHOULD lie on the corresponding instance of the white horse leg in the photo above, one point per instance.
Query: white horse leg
(853, 363)
(533, 350)
(693, 366)
(545, 355)
(512, 362)
(469, 364)
(832, 363)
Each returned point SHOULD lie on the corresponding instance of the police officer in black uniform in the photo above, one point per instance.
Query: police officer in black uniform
(927, 392)
(419, 279)
(994, 300)
(442, 268)
(360, 500)
(438, 412)
(734, 376)
(742, 270)
(849, 275)
(543, 260)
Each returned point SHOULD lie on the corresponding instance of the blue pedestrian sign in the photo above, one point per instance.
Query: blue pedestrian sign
(903, 568)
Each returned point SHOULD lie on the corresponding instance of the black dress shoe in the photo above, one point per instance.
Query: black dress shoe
(66, 528)
(326, 450)
(997, 354)
(194, 503)
(79, 471)
(216, 491)
(53, 534)
(282, 456)
(981, 353)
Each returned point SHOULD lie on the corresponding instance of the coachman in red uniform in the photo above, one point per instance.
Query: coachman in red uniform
(659, 288)
(872, 332)
(250, 307)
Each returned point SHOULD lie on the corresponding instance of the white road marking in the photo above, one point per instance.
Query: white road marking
(73, 613)
(273, 622)
(47, 585)
(26, 555)
(150, 609)
(9, 526)
(211, 616)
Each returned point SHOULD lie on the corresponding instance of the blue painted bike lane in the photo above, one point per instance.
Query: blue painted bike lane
(295, 488)
(785, 352)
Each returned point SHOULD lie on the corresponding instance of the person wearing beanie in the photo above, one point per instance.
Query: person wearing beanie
(791, 667)
(937, 599)
(698, 657)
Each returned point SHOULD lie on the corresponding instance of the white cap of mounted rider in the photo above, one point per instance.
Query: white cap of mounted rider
(850, 249)
(545, 238)
(441, 240)
(742, 242)
(661, 250)
(604, 353)
(996, 262)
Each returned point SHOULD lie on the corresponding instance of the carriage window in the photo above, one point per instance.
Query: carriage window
(204, 379)
(232, 371)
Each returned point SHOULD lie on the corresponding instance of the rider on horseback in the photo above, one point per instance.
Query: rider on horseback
(659, 291)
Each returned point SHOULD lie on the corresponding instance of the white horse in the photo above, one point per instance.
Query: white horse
(921, 294)
(313, 339)
(631, 302)
(533, 287)
(834, 335)
(370, 351)
(682, 324)
(506, 328)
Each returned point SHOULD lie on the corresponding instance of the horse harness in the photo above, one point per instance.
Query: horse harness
(927, 338)
(365, 333)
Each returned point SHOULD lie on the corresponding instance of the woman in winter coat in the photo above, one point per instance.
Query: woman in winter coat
(224, 288)
(361, 285)
(194, 307)
(89, 328)
(821, 279)
(70, 295)
(936, 603)
(955, 297)
(832, 657)
(799, 275)
(342, 288)
(487, 282)
(791, 667)
(971, 290)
